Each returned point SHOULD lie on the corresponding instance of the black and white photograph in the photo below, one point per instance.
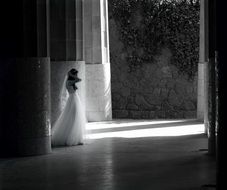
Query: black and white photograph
(113, 95)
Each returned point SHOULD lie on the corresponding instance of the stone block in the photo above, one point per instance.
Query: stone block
(166, 72)
(118, 101)
(170, 84)
(132, 107)
(120, 114)
(175, 74)
(125, 91)
(161, 114)
(157, 91)
(180, 87)
(143, 104)
(189, 105)
(145, 115)
(153, 99)
(164, 93)
(178, 115)
(190, 114)
(166, 106)
(117, 86)
(135, 114)
(170, 114)
(173, 99)
(152, 114)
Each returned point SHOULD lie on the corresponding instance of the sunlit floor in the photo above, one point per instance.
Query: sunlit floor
(120, 155)
(143, 128)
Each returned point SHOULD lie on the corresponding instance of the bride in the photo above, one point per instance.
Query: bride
(69, 129)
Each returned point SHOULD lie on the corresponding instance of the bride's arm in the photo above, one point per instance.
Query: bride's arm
(77, 79)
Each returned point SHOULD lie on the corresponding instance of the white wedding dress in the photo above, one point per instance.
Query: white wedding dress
(69, 129)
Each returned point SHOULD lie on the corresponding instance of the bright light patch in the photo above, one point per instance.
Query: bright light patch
(179, 130)
(128, 123)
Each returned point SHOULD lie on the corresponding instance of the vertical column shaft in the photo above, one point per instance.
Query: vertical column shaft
(25, 99)
(211, 80)
(202, 66)
(222, 94)
(66, 18)
(98, 83)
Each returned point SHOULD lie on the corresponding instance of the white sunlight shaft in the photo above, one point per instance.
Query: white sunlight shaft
(129, 123)
(180, 130)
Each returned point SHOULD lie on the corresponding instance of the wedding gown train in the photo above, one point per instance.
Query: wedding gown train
(69, 129)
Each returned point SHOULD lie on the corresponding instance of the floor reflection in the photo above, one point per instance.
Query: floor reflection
(165, 163)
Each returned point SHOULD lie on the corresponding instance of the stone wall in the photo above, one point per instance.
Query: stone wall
(154, 90)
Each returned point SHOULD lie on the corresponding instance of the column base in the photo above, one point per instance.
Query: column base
(98, 92)
(34, 146)
(25, 108)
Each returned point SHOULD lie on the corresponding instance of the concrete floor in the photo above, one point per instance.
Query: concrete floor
(117, 163)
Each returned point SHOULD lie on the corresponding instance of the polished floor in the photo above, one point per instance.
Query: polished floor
(120, 155)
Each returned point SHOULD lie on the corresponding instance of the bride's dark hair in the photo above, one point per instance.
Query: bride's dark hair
(72, 73)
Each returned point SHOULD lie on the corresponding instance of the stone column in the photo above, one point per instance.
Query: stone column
(66, 21)
(98, 79)
(212, 79)
(202, 97)
(25, 93)
(222, 121)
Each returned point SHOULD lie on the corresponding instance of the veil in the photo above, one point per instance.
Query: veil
(64, 95)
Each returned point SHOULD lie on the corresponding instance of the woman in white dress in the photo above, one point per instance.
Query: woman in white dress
(69, 129)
